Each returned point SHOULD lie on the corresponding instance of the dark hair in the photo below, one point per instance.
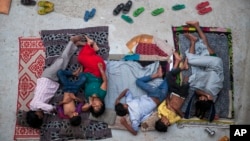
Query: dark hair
(33, 120)
(160, 126)
(75, 120)
(202, 107)
(120, 110)
(98, 113)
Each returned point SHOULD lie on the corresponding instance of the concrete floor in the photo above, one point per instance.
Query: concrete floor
(24, 21)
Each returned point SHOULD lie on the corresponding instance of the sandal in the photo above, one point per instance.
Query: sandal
(45, 4)
(86, 16)
(205, 10)
(118, 9)
(28, 2)
(45, 10)
(92, 13)
(178, 7)
(138, 11)
(157, 11)
(127, 19)
(127, 7)
(202, 5)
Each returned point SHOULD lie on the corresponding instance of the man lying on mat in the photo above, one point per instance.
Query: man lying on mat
(207, 71)
(48, 84)
(140, 108)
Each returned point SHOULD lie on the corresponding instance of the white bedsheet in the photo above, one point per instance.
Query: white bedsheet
(122, 75)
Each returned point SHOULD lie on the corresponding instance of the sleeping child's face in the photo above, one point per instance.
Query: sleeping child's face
(96, 104)
(165, 120)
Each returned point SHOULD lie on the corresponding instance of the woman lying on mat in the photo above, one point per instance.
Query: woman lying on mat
(169, 111)
(95, 88)
(207, 70)
(47, 86)
(70, 107)
(140, 108)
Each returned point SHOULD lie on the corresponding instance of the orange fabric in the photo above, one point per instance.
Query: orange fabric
(5, 6)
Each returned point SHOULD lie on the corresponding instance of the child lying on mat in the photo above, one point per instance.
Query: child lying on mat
(47, 86)
(169, 110)
(67, 108)
(207, 71)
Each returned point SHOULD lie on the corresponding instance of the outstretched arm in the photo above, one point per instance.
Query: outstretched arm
(104, 77)
(126, 125)
(123, 93)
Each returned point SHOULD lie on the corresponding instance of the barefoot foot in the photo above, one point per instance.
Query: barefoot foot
(159, 71)
(76, 38)
(191, 37)
(193, 23)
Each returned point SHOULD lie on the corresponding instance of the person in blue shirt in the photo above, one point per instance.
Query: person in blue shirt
(140, 108)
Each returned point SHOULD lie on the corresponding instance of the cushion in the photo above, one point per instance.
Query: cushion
(5, 6)
(149, 123)
(21, 118)
(108, 117)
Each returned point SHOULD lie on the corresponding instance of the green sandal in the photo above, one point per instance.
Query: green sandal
(157, 11)
(138, 11)
(127, 19)
(178, 7)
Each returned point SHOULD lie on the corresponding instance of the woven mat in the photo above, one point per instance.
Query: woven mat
(220, 40)
(31, 62)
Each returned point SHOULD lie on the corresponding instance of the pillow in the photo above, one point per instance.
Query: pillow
(149, 123)
(21, 118)
(5, 6)
(108, 117)
(118, 125)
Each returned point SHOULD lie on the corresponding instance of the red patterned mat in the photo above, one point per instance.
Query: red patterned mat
(31, 63)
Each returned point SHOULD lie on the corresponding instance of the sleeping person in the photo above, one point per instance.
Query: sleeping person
(70, 107)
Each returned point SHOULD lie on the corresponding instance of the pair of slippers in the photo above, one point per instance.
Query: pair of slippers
(124, 8)
(203, 8)
(45, 7)
(89, 14)
(155, 12)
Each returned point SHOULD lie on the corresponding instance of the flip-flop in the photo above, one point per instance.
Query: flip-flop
(28, 2)
(178, 7)
(157, 11)
(202, 5)
(86, 16)
(118, 9)
(138, 11)
(127, 19)
(92, 13)
(43, 3)
(205, 10)
(127, 7)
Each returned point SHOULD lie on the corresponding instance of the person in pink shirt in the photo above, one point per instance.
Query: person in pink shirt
(48, 84)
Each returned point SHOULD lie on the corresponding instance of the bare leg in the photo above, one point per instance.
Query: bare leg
(158, 74)
(201, 34)
(177, 60)
(192, 39)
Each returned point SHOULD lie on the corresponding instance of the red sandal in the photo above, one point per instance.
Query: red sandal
(202, 5)
(205, 10)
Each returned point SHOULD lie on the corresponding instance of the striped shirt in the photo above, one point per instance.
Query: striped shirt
(44, 91)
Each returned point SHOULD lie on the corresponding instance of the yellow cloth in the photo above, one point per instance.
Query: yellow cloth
(5, 6)
(165, 111)
(142, 38)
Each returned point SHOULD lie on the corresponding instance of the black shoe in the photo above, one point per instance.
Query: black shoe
(118, 9)
(127, 7)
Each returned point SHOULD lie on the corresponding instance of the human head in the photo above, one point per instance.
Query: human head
(161, 126)
(202, 106)
(34, 119)
(120, 109)
(75, 120)
(97, 108)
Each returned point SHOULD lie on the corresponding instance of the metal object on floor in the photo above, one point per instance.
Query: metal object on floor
(209, 131)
